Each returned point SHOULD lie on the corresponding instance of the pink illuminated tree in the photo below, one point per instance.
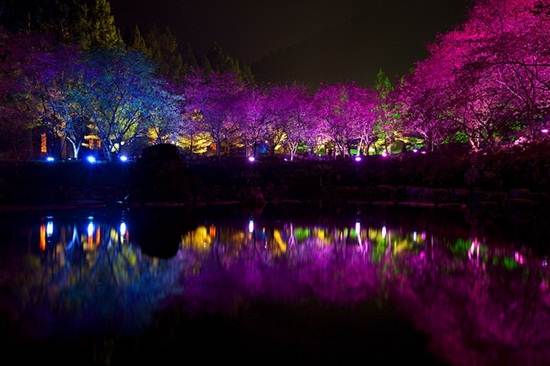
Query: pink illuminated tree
(487, 80)
(346, 115)
(297, 113)
(215, 99)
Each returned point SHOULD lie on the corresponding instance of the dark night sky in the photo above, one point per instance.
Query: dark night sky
(308, 40)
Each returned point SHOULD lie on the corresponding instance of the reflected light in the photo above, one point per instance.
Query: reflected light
(384, 231)
(251, 226)
(357, 227)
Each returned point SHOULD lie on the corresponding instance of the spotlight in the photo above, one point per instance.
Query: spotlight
(123, 228)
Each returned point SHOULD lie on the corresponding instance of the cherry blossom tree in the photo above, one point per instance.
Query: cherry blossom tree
(255, 114)
(126, 98)
(487, 80)
(214, 100)
(297, 114)
(346, 114)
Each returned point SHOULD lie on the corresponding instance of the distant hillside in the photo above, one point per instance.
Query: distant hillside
(358, 48)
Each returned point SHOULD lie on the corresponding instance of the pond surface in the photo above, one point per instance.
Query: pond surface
(151, 285)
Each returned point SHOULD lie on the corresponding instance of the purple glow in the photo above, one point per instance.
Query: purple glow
(415, 151)
(423, 153)
(384, 154)
(358, 159)
(545, 130)
(519, 258)
(285, 264)
(251, 159)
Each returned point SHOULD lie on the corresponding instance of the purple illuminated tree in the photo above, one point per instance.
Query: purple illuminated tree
(346, 115)
(296, 111)
(214, 99)
(488, 80)
(255, 112)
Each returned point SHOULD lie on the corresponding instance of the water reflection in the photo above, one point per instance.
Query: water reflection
(477, 301)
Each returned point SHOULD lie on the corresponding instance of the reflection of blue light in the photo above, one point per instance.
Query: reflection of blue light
(91, 159)
(123, 158)
(91, 229)
(122, 229)
(50, 159)
(251, 226)
(49, 228)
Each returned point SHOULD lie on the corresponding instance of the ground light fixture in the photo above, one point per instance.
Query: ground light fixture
(91, 159)
(358, 159)
(123, 228)
(50, 159)
(251, 159)
(123, 158)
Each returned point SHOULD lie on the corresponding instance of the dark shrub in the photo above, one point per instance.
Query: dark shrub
(161, 175)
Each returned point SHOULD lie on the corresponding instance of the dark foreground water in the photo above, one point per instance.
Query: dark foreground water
(148, 286)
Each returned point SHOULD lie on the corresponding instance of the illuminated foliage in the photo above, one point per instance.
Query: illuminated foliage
(346, 115)
(212, 102)
(488, 79)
